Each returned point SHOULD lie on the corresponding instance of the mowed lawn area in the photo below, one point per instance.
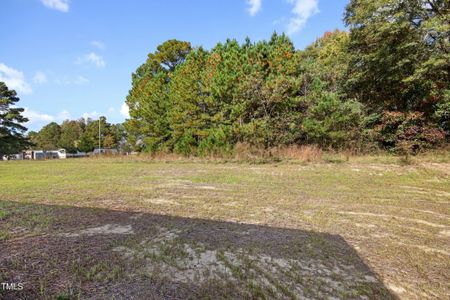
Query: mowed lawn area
(367, 228)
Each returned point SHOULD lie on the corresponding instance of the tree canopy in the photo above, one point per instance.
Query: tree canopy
(12, 139)
(265, 94)
(400, 54)
(79, 135)
(336, 93)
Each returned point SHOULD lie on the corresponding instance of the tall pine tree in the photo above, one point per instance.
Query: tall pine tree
(12, 139)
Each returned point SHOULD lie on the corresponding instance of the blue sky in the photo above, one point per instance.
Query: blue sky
(74, 58)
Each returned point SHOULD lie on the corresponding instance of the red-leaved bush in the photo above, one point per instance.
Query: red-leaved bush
(400, 132)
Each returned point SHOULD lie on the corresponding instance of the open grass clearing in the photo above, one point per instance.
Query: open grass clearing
(93, 228)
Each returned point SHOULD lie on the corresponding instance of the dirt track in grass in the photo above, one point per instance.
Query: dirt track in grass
(111, 227)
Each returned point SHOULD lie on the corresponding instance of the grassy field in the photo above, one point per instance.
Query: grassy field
(367, 228)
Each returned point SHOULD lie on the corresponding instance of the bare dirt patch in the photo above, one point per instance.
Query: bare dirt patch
(105, 229)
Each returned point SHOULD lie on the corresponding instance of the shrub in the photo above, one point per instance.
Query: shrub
(186, 145)
(333, 123)
(442, 115)
(216, 143)
(256, 133)
(407, 133)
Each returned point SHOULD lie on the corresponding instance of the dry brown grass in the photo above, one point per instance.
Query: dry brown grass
(242, 152)
(305, 153)
(246, 153)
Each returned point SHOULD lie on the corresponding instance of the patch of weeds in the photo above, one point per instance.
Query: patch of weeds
(26, 216)
(171, 252)
(364, 289)
(275, 282)
(102, 272)
(237, 271)
(3, 214)
(69, 294)
(38, 220)
(153, 256)
(256, 292)
(4, 235)
(349, 294)
(43, 288)
(405, 160)
(334, 160)
(94, 272)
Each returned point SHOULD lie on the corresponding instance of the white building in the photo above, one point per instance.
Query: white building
(42, 154)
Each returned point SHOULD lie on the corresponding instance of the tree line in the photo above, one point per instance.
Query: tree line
(73, 135)
(80, 135)
(383, 84)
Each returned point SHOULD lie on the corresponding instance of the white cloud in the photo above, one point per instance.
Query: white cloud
(14, 79)
(254, 6)
(303, 10)
(125, 110)
(36, 117)
(98, 44)
(63, 115)
(61, 5)
(40, 78)
(91, 115)
(91, 58)
(111, 109)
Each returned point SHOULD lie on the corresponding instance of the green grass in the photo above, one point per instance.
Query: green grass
(383, 219)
